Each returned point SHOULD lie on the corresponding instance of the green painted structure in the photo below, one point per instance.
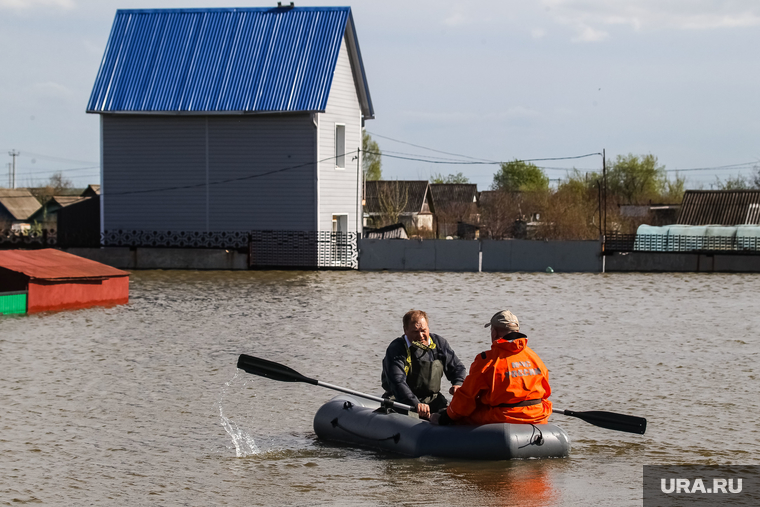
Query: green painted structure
(12, 303)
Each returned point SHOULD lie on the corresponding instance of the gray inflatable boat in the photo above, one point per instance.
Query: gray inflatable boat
(351, 420)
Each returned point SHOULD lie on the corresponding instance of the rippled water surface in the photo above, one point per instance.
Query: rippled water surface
(142, 404)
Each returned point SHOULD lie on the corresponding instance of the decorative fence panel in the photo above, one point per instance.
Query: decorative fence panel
(266, 249)
(235, 240)
(11, 239)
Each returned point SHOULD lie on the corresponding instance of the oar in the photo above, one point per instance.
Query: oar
(609, 420)
(276, 371)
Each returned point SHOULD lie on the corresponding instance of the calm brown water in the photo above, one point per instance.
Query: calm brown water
(128, 405)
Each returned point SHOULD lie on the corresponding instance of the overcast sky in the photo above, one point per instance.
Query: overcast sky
(494, 80)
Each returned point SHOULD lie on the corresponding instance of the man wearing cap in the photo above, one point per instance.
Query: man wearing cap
(415, 363)
(507, 384)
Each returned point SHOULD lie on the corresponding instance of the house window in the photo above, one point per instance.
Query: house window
(340, 146)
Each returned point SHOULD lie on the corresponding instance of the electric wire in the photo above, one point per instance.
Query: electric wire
(220, 182)
(433, 161)
(425, 147)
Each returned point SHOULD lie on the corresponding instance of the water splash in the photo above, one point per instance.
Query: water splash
(244, 443)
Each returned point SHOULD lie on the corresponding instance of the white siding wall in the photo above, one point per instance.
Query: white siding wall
(338, 188)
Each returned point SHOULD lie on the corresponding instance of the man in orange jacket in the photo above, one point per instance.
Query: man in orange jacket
(507, 384)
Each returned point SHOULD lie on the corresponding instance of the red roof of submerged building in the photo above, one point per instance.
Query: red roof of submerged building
(50, 264)
(56, 280)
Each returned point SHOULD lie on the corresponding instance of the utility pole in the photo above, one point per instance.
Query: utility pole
(14, 154)
(604, 177)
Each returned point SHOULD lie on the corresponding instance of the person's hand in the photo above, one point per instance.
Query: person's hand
(434, 418)
(423, 411)
(453, 389)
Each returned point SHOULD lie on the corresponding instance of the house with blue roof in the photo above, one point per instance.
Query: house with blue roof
(233, 119)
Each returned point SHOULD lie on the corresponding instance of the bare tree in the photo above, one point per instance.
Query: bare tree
(499, 212)
(449, 214)
(392, 198)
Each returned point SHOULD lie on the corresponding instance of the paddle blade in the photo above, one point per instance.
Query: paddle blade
(612, 421)
(271, 370)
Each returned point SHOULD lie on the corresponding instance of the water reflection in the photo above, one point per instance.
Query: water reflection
(110, 405)
(518, 482)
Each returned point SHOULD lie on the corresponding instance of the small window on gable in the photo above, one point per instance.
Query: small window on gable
(340, 146)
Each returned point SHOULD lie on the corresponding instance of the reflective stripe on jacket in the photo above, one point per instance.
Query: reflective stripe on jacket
(509, 373)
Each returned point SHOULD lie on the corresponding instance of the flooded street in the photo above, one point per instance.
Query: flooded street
(143, 404)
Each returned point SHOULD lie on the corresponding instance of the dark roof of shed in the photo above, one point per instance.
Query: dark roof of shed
(65, 200)
(252, 59)
(413, 190)
(54, 205)
(20, 203)
(496, 197)
(50, 264)
(720, 207)
(446, 194)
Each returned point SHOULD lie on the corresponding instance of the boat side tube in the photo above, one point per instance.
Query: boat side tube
(350, 420)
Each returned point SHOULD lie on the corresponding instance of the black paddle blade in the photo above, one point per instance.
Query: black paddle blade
(612, 421)
(271, 370)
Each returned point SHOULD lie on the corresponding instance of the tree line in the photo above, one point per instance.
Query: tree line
(521, 202)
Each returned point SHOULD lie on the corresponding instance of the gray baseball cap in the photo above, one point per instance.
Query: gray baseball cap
(504, 320)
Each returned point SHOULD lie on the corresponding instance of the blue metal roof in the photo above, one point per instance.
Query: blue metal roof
(225, 60)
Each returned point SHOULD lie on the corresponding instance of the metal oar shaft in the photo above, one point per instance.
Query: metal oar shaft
(399, 406)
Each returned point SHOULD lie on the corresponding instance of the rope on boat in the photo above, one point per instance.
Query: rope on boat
(539, 440)
(336, 424)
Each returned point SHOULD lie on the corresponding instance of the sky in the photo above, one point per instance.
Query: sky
(489, 80)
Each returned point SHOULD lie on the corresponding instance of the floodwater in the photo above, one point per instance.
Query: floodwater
(142, 404)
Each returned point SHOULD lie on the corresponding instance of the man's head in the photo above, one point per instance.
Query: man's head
(416, 326)
(503, 323)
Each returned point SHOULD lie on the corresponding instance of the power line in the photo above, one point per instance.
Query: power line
(45, 171)
(425, 147)
(432, 161)
(745, 165)
(219, 182)
(59, 159)
(384, 152)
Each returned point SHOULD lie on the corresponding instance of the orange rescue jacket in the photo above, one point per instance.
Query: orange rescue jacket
(509, 373)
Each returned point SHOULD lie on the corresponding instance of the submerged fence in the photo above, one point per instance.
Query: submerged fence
(265, 249)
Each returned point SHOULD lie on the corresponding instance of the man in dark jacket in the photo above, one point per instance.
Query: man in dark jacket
(415, 363)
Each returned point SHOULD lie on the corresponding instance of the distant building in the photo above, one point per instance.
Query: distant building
(654, 214)
(47, 215)
(91, 191)
(403, 201)
(455, 203)
(47, 279)
(232, 120)
(16, 208)
(720, 207)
